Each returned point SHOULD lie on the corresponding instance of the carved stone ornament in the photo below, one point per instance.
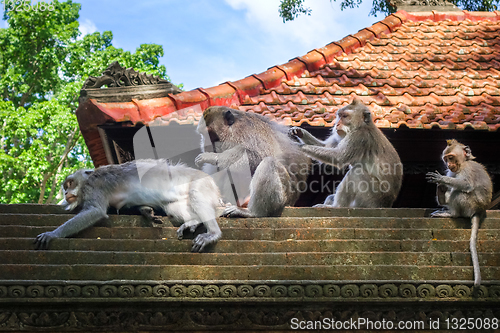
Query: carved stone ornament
(118, 76)
(213, 306)
(424, 5)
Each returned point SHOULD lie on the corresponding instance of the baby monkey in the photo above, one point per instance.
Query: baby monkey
(465, 191)
(188, 196)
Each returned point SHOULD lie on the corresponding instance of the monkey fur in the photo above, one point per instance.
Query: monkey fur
(465, 191)
(188, 196)
(375, 170)
(277, 165)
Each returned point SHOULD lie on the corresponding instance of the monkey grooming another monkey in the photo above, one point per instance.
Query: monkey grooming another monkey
(375, 170)
(465, 191)
(187, 195)
(244, 139)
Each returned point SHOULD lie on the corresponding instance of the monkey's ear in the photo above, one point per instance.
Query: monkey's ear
(367, 116)
(229, 117)
(356, 101)
(468, 153)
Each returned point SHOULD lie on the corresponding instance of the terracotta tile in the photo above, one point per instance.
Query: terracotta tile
(314, 60)
(271, 78)
(416, 70)
(222, 94)
(293, 68)
(248, 86)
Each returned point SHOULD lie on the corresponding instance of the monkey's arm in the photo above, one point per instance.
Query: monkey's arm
(458, 183)
(87, 217)
(305, 136)
(222, 160)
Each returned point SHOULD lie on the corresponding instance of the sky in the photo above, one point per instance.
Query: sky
(209, 42)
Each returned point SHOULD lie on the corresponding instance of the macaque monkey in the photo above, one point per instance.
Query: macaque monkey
(375, 170)
(465, 191)
(188, 196)
(242, 139)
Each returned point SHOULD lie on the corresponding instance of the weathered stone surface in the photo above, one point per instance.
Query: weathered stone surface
(309, 264)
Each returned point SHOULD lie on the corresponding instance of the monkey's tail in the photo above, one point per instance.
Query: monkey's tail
(476, 219)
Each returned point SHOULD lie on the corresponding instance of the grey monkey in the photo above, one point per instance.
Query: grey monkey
(465, 191)
(188, 196)
(375, 170)
(243, 139)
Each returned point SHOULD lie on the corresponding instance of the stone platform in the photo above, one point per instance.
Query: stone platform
(310, 264)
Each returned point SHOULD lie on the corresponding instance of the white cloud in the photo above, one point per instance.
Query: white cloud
(322, 27)
(87, 27)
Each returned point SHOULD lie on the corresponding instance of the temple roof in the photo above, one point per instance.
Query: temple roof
(418, 70)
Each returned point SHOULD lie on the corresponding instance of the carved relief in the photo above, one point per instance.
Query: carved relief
(118, 76)
(351, 291)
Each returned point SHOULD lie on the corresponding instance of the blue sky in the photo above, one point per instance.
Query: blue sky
(208, 42)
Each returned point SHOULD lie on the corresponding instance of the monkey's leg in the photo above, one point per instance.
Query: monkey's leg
(149, 214)
(328, 202)
(442, 213)
(268, 191)
(441, 194)
(203, 205)
(345, 191)
(473, 249)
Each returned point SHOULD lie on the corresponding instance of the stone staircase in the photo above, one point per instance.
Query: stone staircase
(125, 275)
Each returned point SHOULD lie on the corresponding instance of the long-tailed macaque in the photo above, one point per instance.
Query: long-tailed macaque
(375, 170)
(278, 168)
(188, 196)
(465, 191)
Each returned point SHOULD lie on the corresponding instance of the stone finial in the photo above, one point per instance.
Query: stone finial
(424, 5)
(118, 76)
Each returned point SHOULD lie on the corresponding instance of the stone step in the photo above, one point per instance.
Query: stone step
(55, 220)
(264, 233)
(255, 246)
(288, 212)
(54, 257)
(245, 272)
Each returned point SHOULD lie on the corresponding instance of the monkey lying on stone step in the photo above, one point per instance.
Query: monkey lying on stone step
(188, 196)
(465, 191)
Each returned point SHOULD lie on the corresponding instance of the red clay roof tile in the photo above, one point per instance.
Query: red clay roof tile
(419, 70)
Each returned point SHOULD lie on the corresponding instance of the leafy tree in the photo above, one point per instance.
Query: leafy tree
(43, 64)
(291, 9)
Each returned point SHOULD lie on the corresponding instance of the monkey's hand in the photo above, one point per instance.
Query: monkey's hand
(191, 225)
(295, 132)
(434, 177)
(202, 240)
(203, 158)
(42, 241)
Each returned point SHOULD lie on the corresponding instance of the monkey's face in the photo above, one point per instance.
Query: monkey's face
(347, 120)
(452, 162)
(352, 117)
(217, 123)
(71, 186)
(456, 154)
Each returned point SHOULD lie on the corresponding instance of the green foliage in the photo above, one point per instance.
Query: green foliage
(291, 9)
(43, 64)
